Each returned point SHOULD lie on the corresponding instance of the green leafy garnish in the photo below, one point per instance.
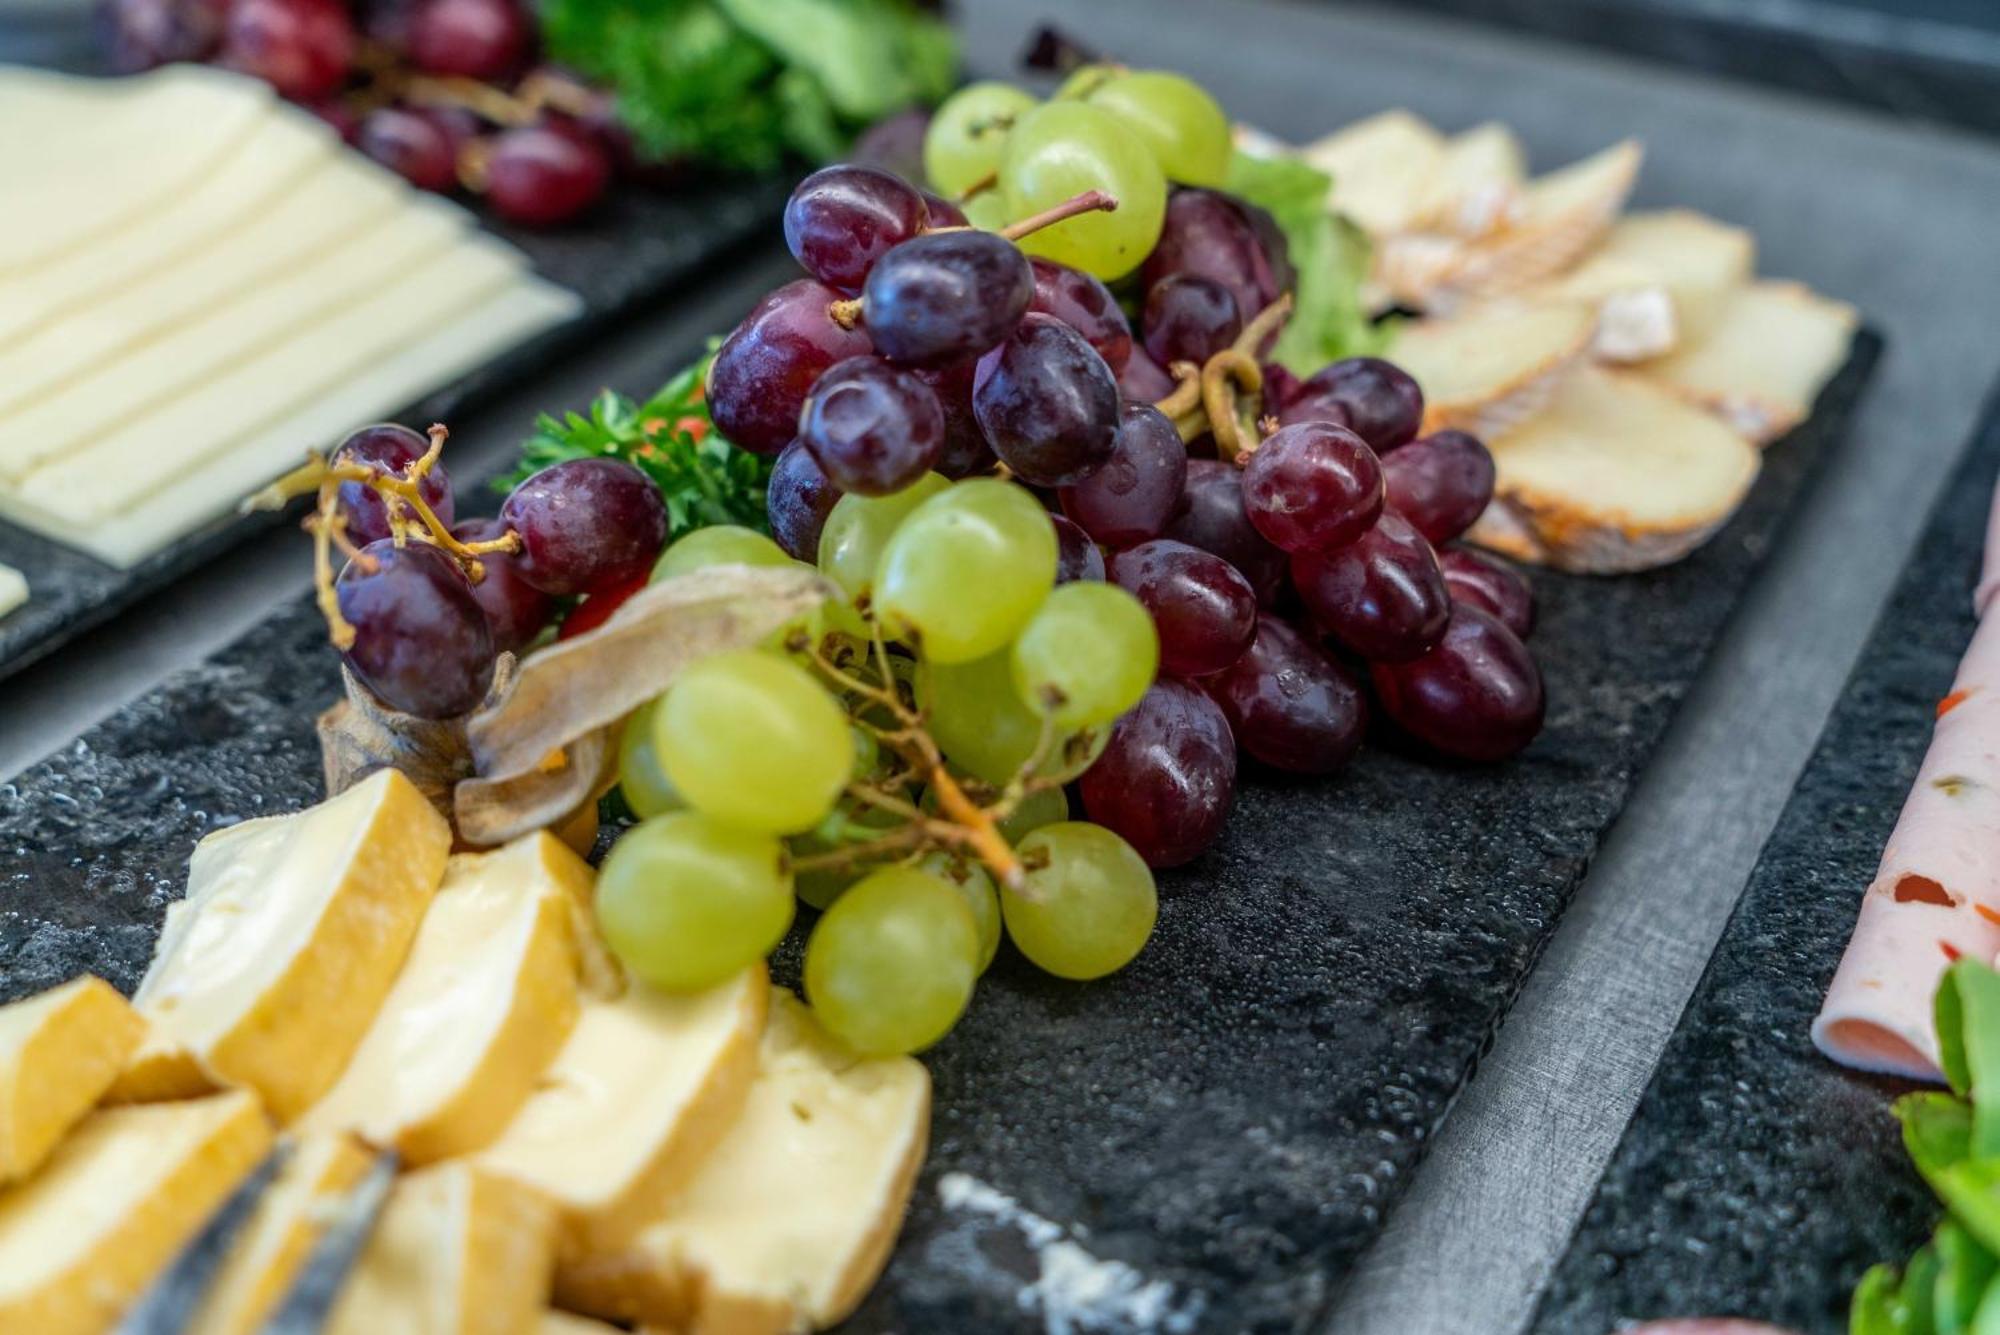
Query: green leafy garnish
(1329, 253)
(669, 437)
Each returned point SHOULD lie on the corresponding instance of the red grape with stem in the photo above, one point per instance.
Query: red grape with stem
(1382, 596)
(472, 39)
(545, 174)
(874, 428)
(1211, 517)
(387, 448)
(1189, 318)
(302, 48)
(1312, 487)
(516, 611)
(421, 640)
(1047, 403)
(1475, 695)
(946, 297)
(1136, 491)
(763, 371)
(1167, 777)
(1289, 703)
(1203, 607)
(1210, 235)
(797, 500)
(586, 524)
(841, 219)
(1490, 585)
(1441, 483)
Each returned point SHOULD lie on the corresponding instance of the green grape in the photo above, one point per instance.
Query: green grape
(850, 822)
(718, 544)
(859, 527)
(1061, 149)
(988, 210)
(1087, 655)
(1044, 806)
(750, 738)
(971, 881)
(981, 723)
(967, 569)
(891, 966)
(1087, 79)
(962, 147)
(1089, 902)
(1186, 131)
(647, 789)
(686, 901)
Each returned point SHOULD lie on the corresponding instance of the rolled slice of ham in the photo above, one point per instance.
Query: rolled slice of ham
(1936, 895)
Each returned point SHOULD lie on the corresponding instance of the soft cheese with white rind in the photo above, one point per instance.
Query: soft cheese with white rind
(272, 969)
(1385, 169)
(1699, 260)
(1769, 351)
(1936, 894)
(13, 589)
(1488, 369)
(83, 1238)
(484, 1002)
(791, 1218)
(59, 1053)
(644, 1089)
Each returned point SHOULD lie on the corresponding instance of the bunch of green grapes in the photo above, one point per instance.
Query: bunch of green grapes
(1126, 132)
(897, 761)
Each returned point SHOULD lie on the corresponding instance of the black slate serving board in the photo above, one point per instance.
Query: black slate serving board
(639, 244)
(1757, 1178)
(1205, 1142)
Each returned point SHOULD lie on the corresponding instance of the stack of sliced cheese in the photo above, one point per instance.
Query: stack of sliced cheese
(1624, 370)
(340, 979)
(199, 284)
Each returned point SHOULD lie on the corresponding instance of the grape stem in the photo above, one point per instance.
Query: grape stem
(1222, 375)
(1224, 395)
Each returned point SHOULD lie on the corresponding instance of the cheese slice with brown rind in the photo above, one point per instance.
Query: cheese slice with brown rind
(1771, 349)
(59, 1053)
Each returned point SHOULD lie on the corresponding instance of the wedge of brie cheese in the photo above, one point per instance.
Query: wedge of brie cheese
(83, 1238)
(59, 1053)
(790, 1219)
(272, 969)
(485, 1001)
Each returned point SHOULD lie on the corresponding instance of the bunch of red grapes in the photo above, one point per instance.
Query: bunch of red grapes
(1284, 583)
(411, 83)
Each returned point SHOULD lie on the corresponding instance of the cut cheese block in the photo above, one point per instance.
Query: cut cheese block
(278, 1238)
(456, 1251)
(84, 1238)
(484, 1002)
(1489, 369)
(13, 589)
(643, 1090)
(59, 1053)
(792, 1217)
(1385, 171)
(1614, 475)
(1698, 260)
(1772, 348)
(273, 967)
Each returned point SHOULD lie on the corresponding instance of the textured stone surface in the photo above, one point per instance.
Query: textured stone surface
(638, 246)
(1228, 1119)
(1758, 1178)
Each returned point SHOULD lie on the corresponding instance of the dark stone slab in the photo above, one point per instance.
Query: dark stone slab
(1756, 1177)
(639, 245)
(1230, 1118)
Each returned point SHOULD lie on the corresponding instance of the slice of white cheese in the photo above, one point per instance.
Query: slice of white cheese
(279, 1237)
(84, 1237)
(1490, 368)
(137, 385)
(59, 1052)
(485, 1001)
(791, 1218)
(272, 969)
(457, 1251)
(643, 1090)
(1770, 350)
(13, 589)
(1385, 170)
(1698, 260)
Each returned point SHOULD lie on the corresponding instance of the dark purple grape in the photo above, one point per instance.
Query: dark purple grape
(141, 34)
(1134, 494)
(302, 48)
(798, 499)
(1382, 403)
(390, 449)
(1077, 557)
(1290, 704)
(1475, 695)
(946, 297)
(515, 609)
(421, 641)
(1441, 484)
(1047, 403)
(895, 144)
(1280, 387)
(1312, 487)
(1202, 606)
(471, 39)
(1211, 517)
(1085, 304)
(414, 146)
(1210, 235)
(965, 452)
(763, 371)
(943, 212)
(1382, 596)
(585, 524)
(1165, 781)
(546, 174)
(1490, 585)
(873, 427)
(843, 218)
(1189, 319)
(1306, 403)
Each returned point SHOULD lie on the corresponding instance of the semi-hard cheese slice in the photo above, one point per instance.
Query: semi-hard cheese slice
(13, 589)
(1699, 261)
(457, 1251)
(484, 1002)
(59, 1052)
(644, 1089)
(788, 1222)
(1769, 351)
(272, 969)
(85, 1236)
(277, 1240)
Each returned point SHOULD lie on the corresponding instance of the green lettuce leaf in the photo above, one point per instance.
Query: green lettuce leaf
(1329, 254)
